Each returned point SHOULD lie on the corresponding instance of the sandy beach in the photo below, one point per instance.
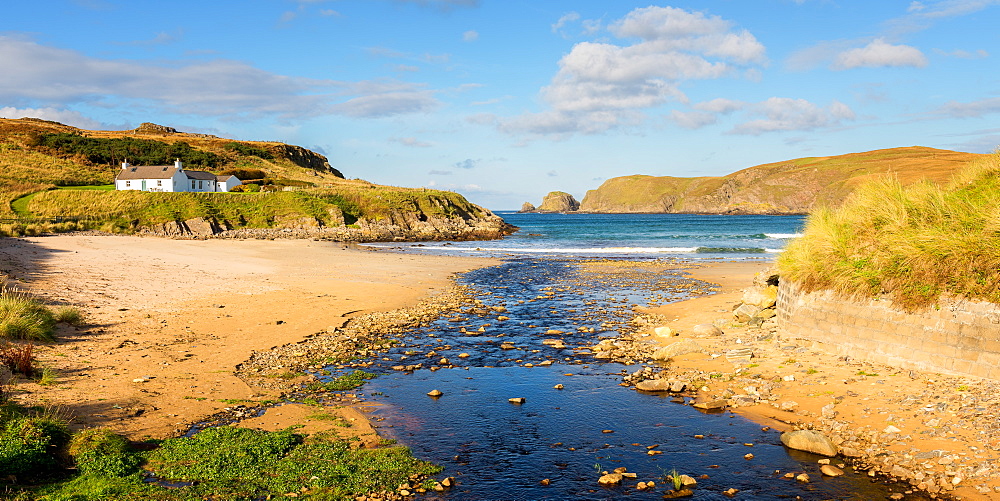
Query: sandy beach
(170, 320)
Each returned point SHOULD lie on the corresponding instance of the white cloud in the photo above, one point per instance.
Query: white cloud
(468, 163)
(470, 36)
(785, 114)
(67, 117)
(972, 109)
(439, 173)
(693, 119)
(720, 105)
(563, 21)
(55, 77)
(705, 113)
(601, 86)
(879, 54)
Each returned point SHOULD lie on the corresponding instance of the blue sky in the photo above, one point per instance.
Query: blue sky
(506, 100)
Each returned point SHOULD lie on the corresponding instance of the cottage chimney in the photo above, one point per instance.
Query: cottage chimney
(125, 165)
(177, 164)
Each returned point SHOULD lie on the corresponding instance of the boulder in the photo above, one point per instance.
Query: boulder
(745, 312)
(809, 441)
(681, 347)
(664, 331)
(653, 385)
(761, 297)
(830, 470)
(610, 479)
(706, 330)
(712, 404)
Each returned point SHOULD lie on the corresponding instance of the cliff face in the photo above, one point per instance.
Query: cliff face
(558, 201)
(791, 187)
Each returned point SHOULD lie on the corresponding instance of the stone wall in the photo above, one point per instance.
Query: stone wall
(957, 336)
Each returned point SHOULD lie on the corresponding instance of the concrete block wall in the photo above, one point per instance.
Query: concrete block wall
(956, 337)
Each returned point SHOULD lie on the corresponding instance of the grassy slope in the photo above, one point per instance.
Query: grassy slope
(790, 186)
(913, 242)
(24, 171)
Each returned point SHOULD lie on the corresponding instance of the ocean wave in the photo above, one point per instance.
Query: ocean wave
(730, 250)
(783, 235)
(579, 250)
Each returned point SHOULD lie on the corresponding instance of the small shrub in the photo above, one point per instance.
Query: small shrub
(18, 358)
(47, 377)
(71, 316)
(102, 452)
(24, 318)
(28, 446)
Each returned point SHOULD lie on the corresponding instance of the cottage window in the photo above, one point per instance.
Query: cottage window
(192, 184)
(159, 182)
(201, 185)
(128, 184)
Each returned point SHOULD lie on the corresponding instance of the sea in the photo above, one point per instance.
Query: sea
(579, 278)
(692, 237)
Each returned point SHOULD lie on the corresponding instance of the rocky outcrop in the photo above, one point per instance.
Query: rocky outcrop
(151, 128)
(399, 227)
(303, 158)
(790, 187)
(527, 207)
(559, 201)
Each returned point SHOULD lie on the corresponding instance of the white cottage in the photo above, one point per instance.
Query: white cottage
(171, 178)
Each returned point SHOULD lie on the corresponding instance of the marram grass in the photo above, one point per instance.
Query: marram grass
(912, 243)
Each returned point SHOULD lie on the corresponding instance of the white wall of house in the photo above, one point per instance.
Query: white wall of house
(228, 184)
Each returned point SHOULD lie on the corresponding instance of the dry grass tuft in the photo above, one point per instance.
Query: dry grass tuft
(912, 243)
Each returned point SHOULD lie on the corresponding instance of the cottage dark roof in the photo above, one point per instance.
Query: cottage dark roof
(147, 172)
(200, 175)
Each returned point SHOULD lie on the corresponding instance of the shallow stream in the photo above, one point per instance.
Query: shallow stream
(500, 450)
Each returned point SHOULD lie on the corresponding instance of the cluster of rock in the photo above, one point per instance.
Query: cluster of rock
(759, 302)
(399, 227)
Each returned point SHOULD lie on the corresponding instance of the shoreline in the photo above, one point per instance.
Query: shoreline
(168, 321)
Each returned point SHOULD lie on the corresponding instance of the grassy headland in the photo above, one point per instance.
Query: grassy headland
(913, 243)
(789, 187)
(38, 156)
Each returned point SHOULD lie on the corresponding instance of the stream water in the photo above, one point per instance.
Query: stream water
(500, 450)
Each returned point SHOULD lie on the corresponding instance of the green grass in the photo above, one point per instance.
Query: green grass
(22, 317)
(217, 463)
(911, 243)
(99, 187)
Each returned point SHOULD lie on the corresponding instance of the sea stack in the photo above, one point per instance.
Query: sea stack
(559, 201)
